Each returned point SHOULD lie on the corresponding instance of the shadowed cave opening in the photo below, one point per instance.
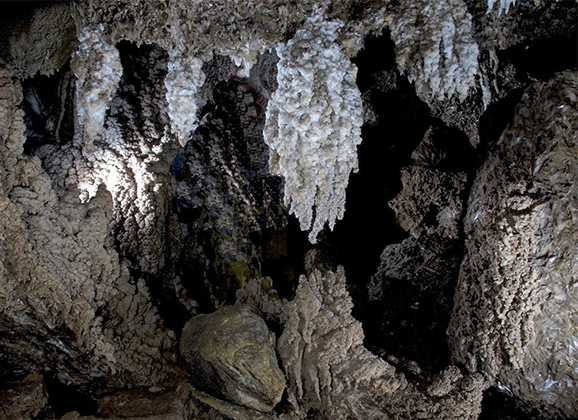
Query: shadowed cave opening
(66, 398)
(544, 57)
(501, 405)
(47, 102)
(408, 323)
(270, 248)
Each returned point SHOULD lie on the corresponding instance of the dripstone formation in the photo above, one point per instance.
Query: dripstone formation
(360, 209)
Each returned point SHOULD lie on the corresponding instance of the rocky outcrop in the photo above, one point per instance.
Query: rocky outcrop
(61, 277)
(182, 402)
(412, 288)
(430, 202)
(253, 28)
(515, 308)
(449, 395)
(44, 42)
(231, 353)
(331, 374)
(321, 349)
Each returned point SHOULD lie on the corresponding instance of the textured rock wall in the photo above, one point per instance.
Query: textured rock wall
(515, 310)
(62, 279)
(160, 163)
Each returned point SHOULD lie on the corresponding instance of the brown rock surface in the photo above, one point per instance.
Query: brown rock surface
(516, 303)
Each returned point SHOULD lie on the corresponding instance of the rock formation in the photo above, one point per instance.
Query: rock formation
(518, 275)
(313, 124)
(353, 209)
(231, 352)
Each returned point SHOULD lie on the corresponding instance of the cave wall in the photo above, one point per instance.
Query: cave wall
(379, 196)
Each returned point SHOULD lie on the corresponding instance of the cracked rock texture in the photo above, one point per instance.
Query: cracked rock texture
(319, 209)
(24, 399)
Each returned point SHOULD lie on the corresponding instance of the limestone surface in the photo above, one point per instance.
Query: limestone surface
(179, 171)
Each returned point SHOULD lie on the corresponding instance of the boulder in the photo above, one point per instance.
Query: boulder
(230, 353)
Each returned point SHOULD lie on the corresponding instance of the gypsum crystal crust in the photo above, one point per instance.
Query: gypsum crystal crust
(435, 48)
(66, 300)
(328, 368)
(313, 124)
(503, 5)
(332, 374)
(98, 69)
(183, 83)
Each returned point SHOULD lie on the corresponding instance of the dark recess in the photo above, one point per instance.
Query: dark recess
(63, 399)
(544, 57)
(48, 109)
(499, 405)
(395, 325)
(282, 256)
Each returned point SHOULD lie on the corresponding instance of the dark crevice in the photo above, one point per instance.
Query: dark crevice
(495, 120)
(501, 405)
(455, 147)
(544, 57)
(48, 109)
(141, 95)
(282, 256)
(63, 399)
(369, 224)
(411, 320)
(222, 251)
(284, 406)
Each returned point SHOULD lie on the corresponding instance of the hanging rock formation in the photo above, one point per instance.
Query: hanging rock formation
(359, 209)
